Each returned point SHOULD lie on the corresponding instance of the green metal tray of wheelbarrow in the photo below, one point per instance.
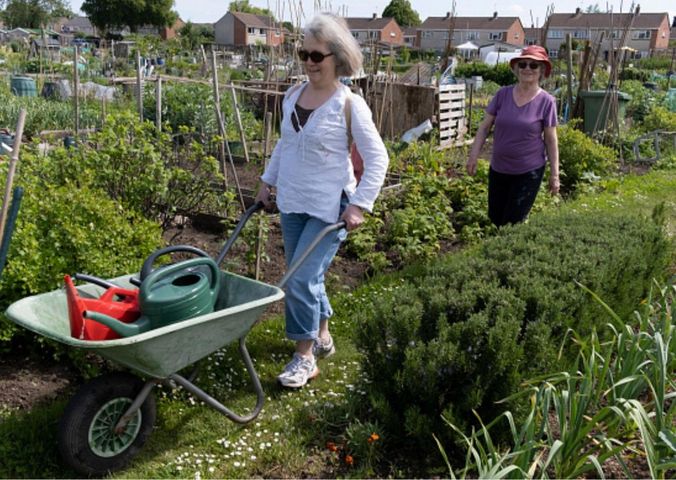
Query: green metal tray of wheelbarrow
(163, 351)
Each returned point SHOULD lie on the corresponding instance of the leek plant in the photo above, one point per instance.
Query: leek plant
(581, 418)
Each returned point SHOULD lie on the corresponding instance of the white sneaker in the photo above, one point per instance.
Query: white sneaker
(323, 349)
(298, 371)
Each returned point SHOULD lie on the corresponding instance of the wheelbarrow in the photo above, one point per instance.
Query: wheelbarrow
(109, 419)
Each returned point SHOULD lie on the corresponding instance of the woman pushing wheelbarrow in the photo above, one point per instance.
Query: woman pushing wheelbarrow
(315, 183)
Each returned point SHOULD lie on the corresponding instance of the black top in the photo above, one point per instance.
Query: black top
(299, 117)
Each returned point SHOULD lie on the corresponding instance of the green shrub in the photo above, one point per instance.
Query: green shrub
(461, 333)
(580, 157)
(500, 73)
(140, 168)
(67, 229)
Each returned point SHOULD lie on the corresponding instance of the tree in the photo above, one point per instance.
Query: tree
(402, 12)
(592, 8)
(108, 14)
(245, 7)
(192, 36)
(32, 13)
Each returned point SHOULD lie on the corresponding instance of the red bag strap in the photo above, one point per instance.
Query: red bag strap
(348, 118)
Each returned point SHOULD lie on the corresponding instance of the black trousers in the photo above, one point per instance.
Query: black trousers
(510, 197)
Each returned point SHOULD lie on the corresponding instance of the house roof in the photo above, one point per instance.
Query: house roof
(469, 23)
(532, 32)
(410, 31)
(79, 22)
(368, 23)
(603, 20)
(251, 20)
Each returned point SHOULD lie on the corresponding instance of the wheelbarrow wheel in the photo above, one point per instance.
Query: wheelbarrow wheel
(88, 441)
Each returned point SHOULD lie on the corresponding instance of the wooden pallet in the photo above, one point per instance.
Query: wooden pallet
(452, 124)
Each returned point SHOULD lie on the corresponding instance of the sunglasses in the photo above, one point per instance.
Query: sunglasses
(532, 65)
(315, 56)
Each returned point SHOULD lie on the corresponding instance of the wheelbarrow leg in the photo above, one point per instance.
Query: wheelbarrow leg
(212, 402)
(136, 404)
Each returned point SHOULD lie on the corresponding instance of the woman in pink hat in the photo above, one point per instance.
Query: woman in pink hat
(524, 116)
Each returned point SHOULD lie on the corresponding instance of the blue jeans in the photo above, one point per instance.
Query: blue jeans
(306, 302)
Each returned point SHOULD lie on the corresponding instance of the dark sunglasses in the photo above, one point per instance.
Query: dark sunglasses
(532, 65)
(315, 56)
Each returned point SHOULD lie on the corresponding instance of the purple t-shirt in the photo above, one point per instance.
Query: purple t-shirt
(518, 143)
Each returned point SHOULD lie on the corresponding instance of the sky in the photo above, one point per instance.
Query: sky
(203, 11)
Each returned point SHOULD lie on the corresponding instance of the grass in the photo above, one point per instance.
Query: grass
(310, 432)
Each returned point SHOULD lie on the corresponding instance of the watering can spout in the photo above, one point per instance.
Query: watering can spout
(123, 329)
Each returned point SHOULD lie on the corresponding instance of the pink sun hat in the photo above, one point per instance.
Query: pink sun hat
(534, 52)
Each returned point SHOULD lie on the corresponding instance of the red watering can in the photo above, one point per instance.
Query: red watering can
(119, 303)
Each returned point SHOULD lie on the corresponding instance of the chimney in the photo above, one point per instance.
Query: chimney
(495, 15)
(578, 12)
(375, 15)
(448, 15)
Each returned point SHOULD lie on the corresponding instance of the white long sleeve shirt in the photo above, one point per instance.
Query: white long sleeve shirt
(311, 168)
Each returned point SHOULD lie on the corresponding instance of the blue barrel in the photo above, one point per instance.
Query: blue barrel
(23, 87)
(160, 61)
(8, 140)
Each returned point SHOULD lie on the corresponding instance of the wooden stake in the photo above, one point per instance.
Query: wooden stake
(12, 169)
(76, 88)
(139, 86)
(221, 127)
(158, 103)
(238, 117)
(569, 71)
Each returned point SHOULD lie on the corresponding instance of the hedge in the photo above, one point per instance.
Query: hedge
(461, 333)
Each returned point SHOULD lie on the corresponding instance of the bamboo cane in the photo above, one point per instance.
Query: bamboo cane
(12, 169)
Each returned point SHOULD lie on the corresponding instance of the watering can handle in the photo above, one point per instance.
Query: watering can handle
(150, 261)
(160, 273)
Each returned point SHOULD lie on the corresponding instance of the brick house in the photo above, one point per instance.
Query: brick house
(241, 29)
(433, 33)
(649, 32)
(376, 30)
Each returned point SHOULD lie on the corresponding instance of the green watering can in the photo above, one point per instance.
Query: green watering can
(169, 295)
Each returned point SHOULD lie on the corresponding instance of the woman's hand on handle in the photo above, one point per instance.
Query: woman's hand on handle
(264, 195)
(353, 217)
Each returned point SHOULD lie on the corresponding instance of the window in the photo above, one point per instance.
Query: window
(392, 34)
(553, 53)
(641, 35)
(580, 34)
(497, 35)
(373, 35)
(251, 30)
(555, 34)
(472, 36)
(426, 34)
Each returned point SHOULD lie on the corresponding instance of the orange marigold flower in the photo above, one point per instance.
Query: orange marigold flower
(349, 460)
(374, 436)
(331, 446)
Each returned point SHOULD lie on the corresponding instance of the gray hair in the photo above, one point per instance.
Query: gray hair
(333, 30)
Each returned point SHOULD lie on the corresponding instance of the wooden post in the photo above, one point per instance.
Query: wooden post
(469, 120)
(139, 86)
(569, 72)
(12, 169)
(76, 90)
(238, 117)
(158, 103)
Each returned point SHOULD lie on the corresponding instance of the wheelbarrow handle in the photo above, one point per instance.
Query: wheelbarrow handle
(320, 236)
(238, 228)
